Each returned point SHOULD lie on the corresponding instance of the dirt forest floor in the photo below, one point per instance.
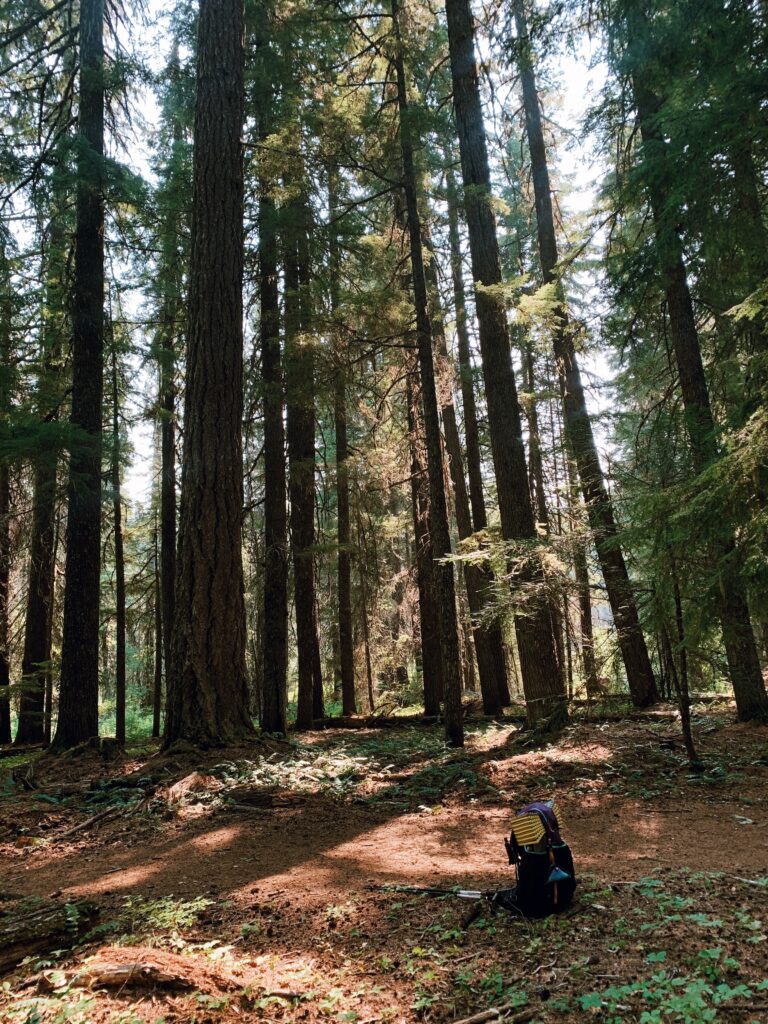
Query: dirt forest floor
(251, 884)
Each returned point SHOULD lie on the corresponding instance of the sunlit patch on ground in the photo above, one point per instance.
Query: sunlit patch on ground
(281, 892)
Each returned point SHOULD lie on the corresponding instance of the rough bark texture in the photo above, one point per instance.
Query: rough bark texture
(535, 457)
(740, 648)
(343, 536)
(275, 657)
(300, 401)
(587, 642)
(32, 927)
(5, 572)
(441, 540)
(542, 679)
(119, 562)
(578, 426)
(469, 407)
(167, 494)
(307, 328)
(79, 686)
(466, 375)
(48, 714)
(681, 681)
(429, 626)
(208, 692)
(35, 666)
(478, 578)
(37, 646)
(5, 492)
(157, 681)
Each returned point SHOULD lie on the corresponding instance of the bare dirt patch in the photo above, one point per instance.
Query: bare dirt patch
(671, 913)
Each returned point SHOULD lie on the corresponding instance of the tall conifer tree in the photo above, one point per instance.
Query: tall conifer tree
(79, 687)
(208, 692)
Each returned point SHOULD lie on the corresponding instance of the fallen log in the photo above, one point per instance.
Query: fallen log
(251, 796)
(31, 926)
(144, 967)
(374, 722)
(142, 973)
(19, 751)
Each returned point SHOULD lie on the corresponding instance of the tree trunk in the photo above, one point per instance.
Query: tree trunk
(441, 540)
(306, 315)
(157, 683)
(542, 679)
(79, 686)
(466, 375)
(275, 657)
(469, 406)
(429, 627)
(300, 396)
(119, 561)
(48, 714)
(535, 457)
(683, 693)
(35, 666)
(37, 633)
(167, 494)
(478, 578)
(585, 619)
(208, 692)
(730, 594)
(318, 702)
(5, 574)
(346, 643)
(578, 427)
(366, 629)
(344, 568)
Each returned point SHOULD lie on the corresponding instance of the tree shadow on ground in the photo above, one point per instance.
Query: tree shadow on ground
(323, 846)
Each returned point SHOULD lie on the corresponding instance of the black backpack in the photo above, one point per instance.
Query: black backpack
(546, 879)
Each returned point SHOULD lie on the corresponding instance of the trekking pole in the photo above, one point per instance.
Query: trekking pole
(504, 898)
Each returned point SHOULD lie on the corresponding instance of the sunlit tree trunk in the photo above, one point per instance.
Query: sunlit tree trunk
(441, 541)
(429, 626)
(478, 578)
(542, 679)
(300, 401)
(578, 427)
(344, 567)
(469, 407)
(208, 700)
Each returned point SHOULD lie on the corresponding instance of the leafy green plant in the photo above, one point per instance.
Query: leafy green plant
(141, 916)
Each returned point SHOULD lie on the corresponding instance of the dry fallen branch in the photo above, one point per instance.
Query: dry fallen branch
(101, 816)
(281, 993)
(497, 1013)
